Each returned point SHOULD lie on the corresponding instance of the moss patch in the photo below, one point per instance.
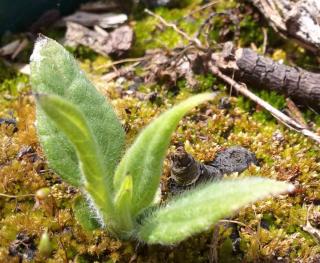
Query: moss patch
(270, 230)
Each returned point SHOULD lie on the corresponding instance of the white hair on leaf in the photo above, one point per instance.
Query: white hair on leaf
(40, 43)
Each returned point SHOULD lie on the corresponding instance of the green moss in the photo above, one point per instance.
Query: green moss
(205, 83)
(268, 229)
(250, 31)
(150, 36)
(275, 99)
(226, 4)
(83, 53)
(6, 72)
(147, 37)
(14, 85)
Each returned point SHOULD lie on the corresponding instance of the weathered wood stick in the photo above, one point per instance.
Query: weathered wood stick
(262, 72)
(298, 20)
(219, 61)
(286, 120)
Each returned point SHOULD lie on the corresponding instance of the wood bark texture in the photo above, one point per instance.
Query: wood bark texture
(261, 72)
(299, 20)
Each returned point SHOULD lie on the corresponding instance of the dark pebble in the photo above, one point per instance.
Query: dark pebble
(23, 247)
(234, 159)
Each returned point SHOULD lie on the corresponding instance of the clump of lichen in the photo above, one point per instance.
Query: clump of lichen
(270, 230)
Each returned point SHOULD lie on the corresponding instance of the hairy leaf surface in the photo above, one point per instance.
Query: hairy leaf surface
(122, 205)
(200, 208)
(69, 119)
(144, 160)
(55, 71)
(84, 214)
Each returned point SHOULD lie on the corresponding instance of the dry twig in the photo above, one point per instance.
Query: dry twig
(201, 8)
(238, 223)
(117, 73)
(265, 40)
(213, 252)
(16, 196)
(122, 61)
(289, 122)
(194, 41)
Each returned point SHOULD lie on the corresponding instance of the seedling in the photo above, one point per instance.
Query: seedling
(83, 141)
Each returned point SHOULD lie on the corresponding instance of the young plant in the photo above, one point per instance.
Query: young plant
(84, 140)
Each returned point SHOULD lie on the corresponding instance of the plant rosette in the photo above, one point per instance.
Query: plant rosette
(84, 141)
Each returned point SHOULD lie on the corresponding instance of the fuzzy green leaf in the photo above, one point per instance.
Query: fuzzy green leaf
(122, 205)
(200, 208)
(84, 215)
(69, 120)
(144, 160)
(55, 71)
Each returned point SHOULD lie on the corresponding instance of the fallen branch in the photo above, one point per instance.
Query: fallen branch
(213, 64)
(298, 20)
(259, 71)
(241, 88)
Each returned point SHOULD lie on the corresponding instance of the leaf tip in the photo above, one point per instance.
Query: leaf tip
(41, 98)
(40, 43)
(284, 188)
(291, 188)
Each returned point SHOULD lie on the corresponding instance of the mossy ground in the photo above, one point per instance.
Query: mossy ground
(268, 231)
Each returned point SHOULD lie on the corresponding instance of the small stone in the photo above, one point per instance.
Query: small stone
(186, 171)
(234, 159)
(23, 247)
